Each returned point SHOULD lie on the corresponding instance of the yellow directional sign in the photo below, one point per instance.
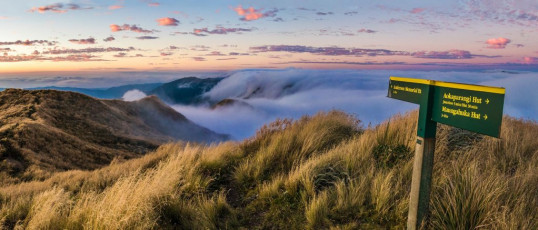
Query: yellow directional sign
(472, 107)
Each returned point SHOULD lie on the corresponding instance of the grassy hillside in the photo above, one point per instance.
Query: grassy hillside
(320, 172)
(43, 131)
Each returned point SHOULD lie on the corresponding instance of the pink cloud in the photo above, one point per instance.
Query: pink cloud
(168, 21)
(417, 10)
(87, 41)
(199, 58)
(530, 60)
(250, 14)
(3, 17)
(497, 43)
(166, 54)
(58, 8)
(154, 4)
(115, 7)
(127, 27)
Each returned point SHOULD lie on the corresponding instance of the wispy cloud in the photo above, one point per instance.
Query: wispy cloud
(215, 53)
(358, 52)
(154, 4)
(36, 57)
(168, 21)
(324, 13)
(146, 38)
(88, 50)
(58, 8)
(120, 55)
(109, 39)
(417, 10)
(451, 54)
(329, 51)
(368, 31)
(87, 41)
(30, 43)
(127, 27)
(497, 43)
(220, 30)
(198, 58)
(250, 14)
(115, 7)
(76, 58)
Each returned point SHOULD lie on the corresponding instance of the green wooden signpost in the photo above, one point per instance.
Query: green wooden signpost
(472, 107)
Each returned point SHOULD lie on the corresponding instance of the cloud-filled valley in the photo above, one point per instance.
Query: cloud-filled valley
(259, 96)
(291, 93)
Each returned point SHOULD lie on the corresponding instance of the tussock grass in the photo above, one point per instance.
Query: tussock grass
(319, 172)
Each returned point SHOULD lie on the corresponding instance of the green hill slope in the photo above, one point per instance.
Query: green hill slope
(320, 172)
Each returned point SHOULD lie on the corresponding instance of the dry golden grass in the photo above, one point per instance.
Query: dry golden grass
(320, 172)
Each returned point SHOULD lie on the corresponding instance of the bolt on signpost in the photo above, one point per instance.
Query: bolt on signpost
(472, 107)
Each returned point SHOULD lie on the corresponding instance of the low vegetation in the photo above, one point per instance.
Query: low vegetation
(319, 172)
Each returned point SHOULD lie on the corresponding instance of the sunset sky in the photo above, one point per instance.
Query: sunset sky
(186, 35)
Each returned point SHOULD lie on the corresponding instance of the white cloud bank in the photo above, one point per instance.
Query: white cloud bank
(133, 95)
(291, 93)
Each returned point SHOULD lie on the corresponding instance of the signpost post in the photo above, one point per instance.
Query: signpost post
(472, 107)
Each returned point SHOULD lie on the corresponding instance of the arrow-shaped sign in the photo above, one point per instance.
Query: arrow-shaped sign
(485, 117)
(487, 100)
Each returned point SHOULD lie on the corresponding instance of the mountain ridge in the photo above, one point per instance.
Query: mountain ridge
(43, 131)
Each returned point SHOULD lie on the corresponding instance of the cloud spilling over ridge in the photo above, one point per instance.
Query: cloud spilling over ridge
(292, 93)
(133, 95)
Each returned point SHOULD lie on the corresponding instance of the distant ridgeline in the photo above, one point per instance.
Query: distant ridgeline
(185, 91)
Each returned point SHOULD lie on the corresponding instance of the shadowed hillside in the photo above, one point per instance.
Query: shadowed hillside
(44, 131)
(320, 172)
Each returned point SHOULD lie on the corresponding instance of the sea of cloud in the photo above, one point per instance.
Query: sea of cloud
(292, 93)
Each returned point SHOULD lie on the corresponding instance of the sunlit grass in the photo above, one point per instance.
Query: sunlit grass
(320, 172)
